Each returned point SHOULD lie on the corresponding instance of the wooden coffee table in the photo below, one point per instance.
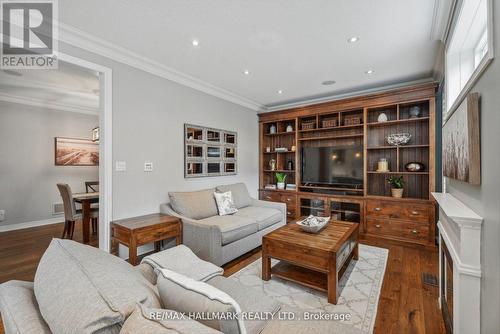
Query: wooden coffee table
(317, 261)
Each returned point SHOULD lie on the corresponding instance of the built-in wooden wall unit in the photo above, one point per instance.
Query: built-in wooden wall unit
(354, 122)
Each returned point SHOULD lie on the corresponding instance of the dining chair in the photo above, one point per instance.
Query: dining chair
(71, 214)
(92, 187)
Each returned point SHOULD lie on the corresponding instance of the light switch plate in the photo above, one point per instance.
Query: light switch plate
(148, 166)
(2, 215)
(121, 166)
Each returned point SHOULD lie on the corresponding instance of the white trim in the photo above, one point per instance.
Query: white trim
(20, 226)
(357, 93)
(88, 42)
(43, 103)
(105, 148)
(441, 19)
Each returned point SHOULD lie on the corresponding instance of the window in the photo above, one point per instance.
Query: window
(468, 50)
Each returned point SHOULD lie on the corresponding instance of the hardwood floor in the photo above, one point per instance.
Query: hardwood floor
(406, 304)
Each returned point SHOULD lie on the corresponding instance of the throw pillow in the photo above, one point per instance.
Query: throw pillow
(184, 294)
(225, 203)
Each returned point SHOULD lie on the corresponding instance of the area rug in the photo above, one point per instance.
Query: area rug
(359, 288)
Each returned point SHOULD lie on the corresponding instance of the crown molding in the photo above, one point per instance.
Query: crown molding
(356, 93)
(88, 42)
(441, 19)
(30, 101)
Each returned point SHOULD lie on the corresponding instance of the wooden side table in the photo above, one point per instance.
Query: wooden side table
(138, 231)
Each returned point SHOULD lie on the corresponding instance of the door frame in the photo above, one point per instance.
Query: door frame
(105, 146)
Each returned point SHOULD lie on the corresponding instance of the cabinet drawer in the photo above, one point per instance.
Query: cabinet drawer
(400, 229)
(398, 210)
(290, 212)
(290, 200)
(270, 196)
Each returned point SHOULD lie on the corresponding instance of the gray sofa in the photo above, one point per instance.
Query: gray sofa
(220, 239)
(81, 289)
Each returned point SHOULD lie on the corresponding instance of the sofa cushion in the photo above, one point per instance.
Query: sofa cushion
(158, 321)
(232, 227)
(182, 260)
(251, 301)
(239, 191)
(82, 289)
(20, 313)
(184, 294)
(225, 203)
(194, 204)
(265, 217)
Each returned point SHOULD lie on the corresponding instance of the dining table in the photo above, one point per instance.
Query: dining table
(86, 199)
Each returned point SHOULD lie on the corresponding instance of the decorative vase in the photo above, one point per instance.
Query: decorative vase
(272, 129)
(382, 118)
(293, 148)
(281, 185)
(383, 165)
(272, 164)
(289, 128)
(414, 112)
(290, 164)
(268, 149)
(397, 192)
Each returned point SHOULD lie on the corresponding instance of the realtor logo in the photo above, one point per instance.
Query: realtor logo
(29, 38)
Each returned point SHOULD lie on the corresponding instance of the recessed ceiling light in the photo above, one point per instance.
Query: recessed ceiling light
(195, 42)
(353, 39)
(369, 72)
(328, 82)
(246, 72)
(280, 92)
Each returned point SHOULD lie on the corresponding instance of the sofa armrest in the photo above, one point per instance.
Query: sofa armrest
(20, 313)
(204, 240)
(273, 205)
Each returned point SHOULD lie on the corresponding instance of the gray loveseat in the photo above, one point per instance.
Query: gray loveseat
(220, 239)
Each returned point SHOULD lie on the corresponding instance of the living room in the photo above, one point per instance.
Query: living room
(224, 125)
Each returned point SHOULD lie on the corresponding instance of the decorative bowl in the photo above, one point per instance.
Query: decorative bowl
(415, 167)
(313, 224)
(397, 139)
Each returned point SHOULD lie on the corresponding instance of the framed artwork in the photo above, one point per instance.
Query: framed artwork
(76, 152)
(208, 151)
(461, 142)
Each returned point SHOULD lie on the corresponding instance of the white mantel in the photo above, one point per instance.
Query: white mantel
(460, 229)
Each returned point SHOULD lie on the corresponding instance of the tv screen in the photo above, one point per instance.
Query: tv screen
(333, 165)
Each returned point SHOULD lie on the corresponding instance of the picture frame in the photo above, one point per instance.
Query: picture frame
(75, 152)
(461, 142)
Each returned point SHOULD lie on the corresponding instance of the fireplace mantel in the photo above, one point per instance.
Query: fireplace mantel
(460, 230)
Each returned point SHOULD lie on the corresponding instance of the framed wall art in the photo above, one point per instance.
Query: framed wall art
(76, 152)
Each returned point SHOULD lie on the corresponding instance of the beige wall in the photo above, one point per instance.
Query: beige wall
(28, 176)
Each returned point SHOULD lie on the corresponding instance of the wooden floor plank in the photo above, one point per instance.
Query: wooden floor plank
(406, 305)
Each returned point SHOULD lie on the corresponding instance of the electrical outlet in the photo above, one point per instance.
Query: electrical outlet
(148, 166)
(2, 215)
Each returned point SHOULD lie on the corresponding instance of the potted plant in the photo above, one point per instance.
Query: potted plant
(280, 179)
(397, 184)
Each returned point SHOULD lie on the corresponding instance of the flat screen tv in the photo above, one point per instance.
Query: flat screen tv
(337, 166)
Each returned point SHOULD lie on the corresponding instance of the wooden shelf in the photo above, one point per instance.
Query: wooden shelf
(274, 152)
(331, 188)
(279, 171)
(402, 173)
(395, 147)
(279, 133)
(333, 137)
(310, 278)
(398, 121)
(334, 128)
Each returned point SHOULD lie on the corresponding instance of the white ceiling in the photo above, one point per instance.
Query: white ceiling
(289, 45)
(70, 88)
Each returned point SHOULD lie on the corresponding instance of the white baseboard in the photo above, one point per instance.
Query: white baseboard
(20, 226)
